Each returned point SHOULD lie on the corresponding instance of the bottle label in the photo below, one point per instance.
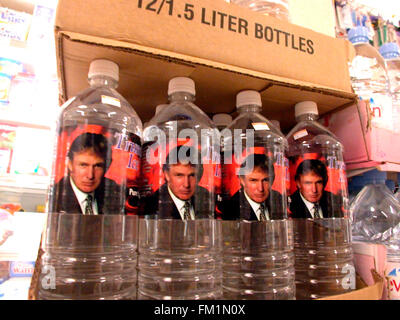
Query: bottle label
(318, 186)
(111, 101)
(180, 180)
(300, 134)
(393, 280)
(381, 111)
(99, 162)
(260, 126)
(254, 185)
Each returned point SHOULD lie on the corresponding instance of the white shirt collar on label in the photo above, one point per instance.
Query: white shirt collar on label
(256, 206)
(180, 205)
(81, 196)
(310, 206)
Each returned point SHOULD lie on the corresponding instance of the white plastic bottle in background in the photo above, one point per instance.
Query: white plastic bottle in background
(277, 124)
(375, 216)
(391, 53)
(275, 8)
(369, 78)
(222, 120)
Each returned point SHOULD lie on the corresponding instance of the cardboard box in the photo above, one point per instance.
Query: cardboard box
(224, 48)
(365, 146)
(363, 292)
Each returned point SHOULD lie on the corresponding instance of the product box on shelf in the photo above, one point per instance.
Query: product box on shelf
(363, 291)
(365, 146)
(224, 48)
(371, 256)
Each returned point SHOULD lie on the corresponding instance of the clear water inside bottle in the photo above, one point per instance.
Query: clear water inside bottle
(258, 260)
(89, 257)
(323, 257)
(179, 259)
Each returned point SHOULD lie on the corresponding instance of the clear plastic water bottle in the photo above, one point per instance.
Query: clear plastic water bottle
(222, 120)
(180, 141)
(397, 195)
(275, 8)
(318, 204)
(90, 241)
(254, 207)
(369, 78)
(160, 107)
(276, 123)
(315, 159)
(375, 214)
(97, 153)
(391, 53)
(253, 148)
(376, 219)
(179, 241)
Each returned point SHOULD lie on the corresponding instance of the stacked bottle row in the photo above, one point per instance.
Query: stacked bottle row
(374, 78)
(181, 166)
(181, 175)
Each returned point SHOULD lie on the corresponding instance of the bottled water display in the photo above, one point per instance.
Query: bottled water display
(391, 53)
(369, 78)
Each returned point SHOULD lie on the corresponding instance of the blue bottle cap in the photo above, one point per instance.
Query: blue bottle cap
(358, 35)
(390, 50)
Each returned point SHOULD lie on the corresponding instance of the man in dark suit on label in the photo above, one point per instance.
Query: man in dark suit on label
(85, 190)
(255, 201)
(310, 199)
(181, 197)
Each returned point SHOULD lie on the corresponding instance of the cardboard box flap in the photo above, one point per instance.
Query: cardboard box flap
(363, 292)
(145, 72)
(215, 31)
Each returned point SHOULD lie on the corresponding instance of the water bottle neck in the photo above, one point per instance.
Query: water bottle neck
(103, 81)
(307, 117)
(181, 96)
(249, 108)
